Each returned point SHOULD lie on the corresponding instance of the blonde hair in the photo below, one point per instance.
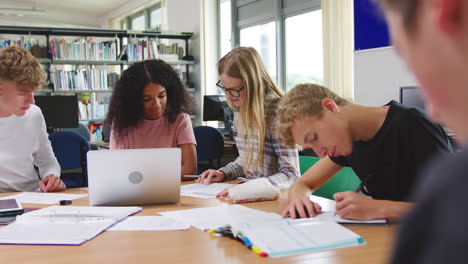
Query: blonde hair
(261, 98)
(19, 66)
(303, 100)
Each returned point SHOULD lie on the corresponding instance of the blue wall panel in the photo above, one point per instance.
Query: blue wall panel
(370, 28)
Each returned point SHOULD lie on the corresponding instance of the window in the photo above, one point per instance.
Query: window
(286, 33)
(155, 19)
(304, 49)
(138, 23)
(225, 27)
(263, 39)
(146, 19)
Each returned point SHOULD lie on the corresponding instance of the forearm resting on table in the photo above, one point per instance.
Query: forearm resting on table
(393, 210)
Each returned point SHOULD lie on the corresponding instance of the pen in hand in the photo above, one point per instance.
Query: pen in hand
(361, 186)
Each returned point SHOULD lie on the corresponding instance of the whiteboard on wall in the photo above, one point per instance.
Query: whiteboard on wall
(378, 75)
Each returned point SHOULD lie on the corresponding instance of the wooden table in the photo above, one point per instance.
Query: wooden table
(190, 246)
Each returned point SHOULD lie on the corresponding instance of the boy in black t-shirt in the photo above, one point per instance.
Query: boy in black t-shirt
(432, 36)
(386, 146)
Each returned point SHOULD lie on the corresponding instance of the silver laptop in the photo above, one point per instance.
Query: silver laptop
(134, 176)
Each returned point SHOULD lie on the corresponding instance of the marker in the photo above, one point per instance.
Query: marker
(65, 202)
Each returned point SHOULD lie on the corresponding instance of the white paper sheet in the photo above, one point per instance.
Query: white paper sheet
(330, 216)
(43, 198)
(203, 190)
(218, 216)
(148, 223)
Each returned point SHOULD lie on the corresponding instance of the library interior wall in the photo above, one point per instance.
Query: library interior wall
(378, 71)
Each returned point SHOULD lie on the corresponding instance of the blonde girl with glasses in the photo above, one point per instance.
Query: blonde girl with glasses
(254, 97)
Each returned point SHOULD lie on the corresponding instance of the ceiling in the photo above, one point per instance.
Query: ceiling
(87, 13)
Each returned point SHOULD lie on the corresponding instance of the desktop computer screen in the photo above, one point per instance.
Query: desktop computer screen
(411, 96)
(216, 108)
(60, 111)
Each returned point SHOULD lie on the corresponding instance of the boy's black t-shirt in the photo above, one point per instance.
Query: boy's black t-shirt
(389, 163)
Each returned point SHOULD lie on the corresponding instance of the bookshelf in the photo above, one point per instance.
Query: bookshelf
(88, 62)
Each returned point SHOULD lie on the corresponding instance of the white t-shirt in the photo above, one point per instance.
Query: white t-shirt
(24, 142)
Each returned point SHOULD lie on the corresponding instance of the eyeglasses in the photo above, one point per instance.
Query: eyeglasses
(232, 92)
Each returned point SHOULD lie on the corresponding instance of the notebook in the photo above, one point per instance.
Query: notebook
(63, 225)
(134, 176)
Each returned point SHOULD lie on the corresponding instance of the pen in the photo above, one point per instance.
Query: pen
(363, 183)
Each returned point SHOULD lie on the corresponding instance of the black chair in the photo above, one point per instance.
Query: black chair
(210, 147)
(70, 149)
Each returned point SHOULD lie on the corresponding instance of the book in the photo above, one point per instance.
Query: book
(267, 234)
(283, 237)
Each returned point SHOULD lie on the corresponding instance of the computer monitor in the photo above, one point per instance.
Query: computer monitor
(60, 111)
(216, 108)
(411, 96)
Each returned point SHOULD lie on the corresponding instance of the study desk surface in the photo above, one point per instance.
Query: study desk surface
(193, 245)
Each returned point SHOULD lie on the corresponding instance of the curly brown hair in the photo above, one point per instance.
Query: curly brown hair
(19, 66)
(126, 104)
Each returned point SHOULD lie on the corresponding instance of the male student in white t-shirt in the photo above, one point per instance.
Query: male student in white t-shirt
(23, 138)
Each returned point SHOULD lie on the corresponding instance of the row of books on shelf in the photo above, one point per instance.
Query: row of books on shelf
(92, 110)
(96, 133)
(144, 49)
(88, 50)
(83, 79)
(81, 49)
(38, 49)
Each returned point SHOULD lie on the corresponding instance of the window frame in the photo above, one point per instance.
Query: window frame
(281, 10)
(146, 12)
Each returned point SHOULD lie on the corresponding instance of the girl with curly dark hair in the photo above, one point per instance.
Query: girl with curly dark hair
(149, 109)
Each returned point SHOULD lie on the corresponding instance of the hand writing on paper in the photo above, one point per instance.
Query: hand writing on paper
(51, 183)
(351, 205)
(210, 176)
(301, 208)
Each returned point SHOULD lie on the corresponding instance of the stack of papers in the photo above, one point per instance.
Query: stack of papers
(63, 225)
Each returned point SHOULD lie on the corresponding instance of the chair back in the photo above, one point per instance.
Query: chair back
(344, 180)
(210, 145)
(82, 129)
(70, 149)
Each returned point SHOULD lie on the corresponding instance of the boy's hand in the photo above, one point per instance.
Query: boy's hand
(52, 183)
(351, 205)
(301, 208)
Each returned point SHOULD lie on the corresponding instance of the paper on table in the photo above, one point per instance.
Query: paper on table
(43, 198)
(214, 217)
(67, 225)
(148, 223)
(328, 207)
(330, 216)
(203, 190)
